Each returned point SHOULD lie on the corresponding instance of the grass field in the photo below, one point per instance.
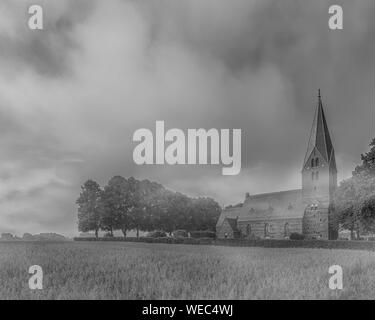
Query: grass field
(105, 270)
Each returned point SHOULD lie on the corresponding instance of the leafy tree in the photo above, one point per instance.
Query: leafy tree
(116, 203)
(175, 211)
(146, 196)
(205, 213)
(347, 210)
(368, 214)
(126, 204)
(89, 207)
(368, 161)
(355, 197)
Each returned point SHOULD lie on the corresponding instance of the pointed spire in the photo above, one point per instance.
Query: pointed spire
(319, 136)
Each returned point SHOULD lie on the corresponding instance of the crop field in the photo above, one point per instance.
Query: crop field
(111, 270)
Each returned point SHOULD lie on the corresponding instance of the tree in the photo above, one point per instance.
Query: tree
(346, 206)
(145, 198)
(205, 213)
(368, 161)
(174, 213)
(368, 215)
(89, 207)
(355, 197)
(116, 204)
(127, 204)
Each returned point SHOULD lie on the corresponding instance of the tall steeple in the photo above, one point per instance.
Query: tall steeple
(320, 139)
(319, 180)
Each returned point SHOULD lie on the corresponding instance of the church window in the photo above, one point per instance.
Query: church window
(317, 162)
(312, 163)
(248, 230)
(266, 230)
(286, 229)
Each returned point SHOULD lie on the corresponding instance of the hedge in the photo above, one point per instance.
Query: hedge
(180, 234)
(203, 234)
(180, 240)
(286, 243)
(296, 236)
(156, 234)
(266, 243)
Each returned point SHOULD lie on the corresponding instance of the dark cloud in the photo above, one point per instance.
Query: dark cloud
(249, 64)
(46, 51)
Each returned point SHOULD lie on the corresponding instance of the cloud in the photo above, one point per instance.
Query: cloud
(45, 52)
(72, 95)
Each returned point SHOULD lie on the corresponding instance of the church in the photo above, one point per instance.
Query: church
(306, 211)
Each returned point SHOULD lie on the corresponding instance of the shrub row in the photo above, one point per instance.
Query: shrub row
(267, 243)
(203, 234)
(180, 240)
(286, 243)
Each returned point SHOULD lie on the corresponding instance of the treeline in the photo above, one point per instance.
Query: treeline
(130, 204)
(355, 198)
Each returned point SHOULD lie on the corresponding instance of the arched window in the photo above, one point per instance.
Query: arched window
(248, 230)
(317, 162)
(312, 163)
(266, 230)
(286, 229)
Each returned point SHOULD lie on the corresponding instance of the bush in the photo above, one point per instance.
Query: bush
(156, 234)
(163, 240)
(178, 240)
(191, 241)
(359, 239)
(148, 239)
(180, 234)
(203, 234)
(205, 240)
(270, 243)
(108, 235)
(251, 236)
(296, 236)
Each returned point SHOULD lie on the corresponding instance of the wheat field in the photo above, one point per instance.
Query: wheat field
(105, 270)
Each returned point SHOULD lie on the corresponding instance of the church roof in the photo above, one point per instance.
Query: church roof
(286, 204)
(232, 222)
(319, 137)
(267, 206)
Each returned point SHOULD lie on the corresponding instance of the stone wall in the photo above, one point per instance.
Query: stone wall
(276, 227)
(315, 223)
(225, 228)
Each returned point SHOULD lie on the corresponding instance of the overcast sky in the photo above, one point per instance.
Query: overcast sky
(72, 95)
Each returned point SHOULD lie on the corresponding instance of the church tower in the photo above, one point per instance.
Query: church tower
(319, 180)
